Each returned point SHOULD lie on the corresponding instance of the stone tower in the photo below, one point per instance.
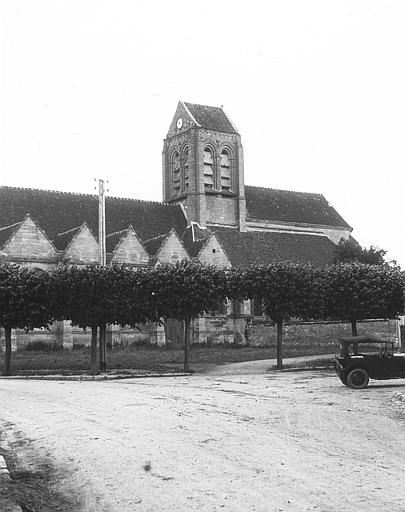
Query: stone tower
(203, 166)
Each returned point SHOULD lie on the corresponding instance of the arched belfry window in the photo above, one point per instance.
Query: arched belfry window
(226, 170)
(185, 168)
(208, 168)
(175, 164)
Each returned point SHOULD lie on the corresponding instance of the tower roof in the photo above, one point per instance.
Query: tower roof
(210, 118)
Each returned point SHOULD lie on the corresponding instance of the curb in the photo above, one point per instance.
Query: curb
(303, 369)
(91, 378)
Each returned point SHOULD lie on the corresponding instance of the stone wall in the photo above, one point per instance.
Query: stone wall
(314, 334)
(212, 330)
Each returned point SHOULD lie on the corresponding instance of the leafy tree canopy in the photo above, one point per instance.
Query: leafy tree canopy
(350, 251)
(24, 299)
(357, 291)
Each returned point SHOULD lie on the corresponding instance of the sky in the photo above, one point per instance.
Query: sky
(315, 88)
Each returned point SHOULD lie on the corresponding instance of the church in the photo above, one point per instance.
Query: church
(207, 213)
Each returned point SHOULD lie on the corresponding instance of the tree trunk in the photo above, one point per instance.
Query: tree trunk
(93, 357)
(354, 327)
(354, 333)
(103, 336)
(7, 355)
(187, 342)
(279, 345)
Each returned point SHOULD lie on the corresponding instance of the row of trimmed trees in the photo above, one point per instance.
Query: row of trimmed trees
(93, 296)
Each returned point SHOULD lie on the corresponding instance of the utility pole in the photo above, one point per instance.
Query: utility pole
(103, 261)
(101, 222)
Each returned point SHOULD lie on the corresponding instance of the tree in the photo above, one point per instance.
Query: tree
(88, 297)
(357, 291)
(350, 251)
(24, 302)
(186, 290)
(286, 290)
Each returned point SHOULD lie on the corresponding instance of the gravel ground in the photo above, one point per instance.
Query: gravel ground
(230, 440)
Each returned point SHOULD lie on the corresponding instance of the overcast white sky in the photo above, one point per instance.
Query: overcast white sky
(315, 88)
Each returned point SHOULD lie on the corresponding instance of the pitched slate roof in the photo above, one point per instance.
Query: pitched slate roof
(112, 239)
(62, 240)
(287, 206)
(259, 247)
(7, 232)
(194, 238)
(154, 244)
(211, 118)
(58, 212)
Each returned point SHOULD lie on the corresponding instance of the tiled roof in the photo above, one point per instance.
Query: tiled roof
(154, 244)
(62, 240)
(112, 239)
(287, 206)
(194, 238)
(211, 118)
(6, 232)
(258, 247)
(57, 212)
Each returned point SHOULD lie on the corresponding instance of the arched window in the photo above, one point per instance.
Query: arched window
(185, 167)
(175, 164)
(226, 170)
(208, 168)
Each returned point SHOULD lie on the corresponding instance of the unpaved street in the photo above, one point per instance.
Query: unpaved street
(245, 442)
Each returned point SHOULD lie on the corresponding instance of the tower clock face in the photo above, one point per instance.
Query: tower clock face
(179, 123)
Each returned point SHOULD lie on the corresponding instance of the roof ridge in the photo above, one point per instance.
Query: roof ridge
(11, 226)
(285, 190)
(68, 231)
(201, 105)
(89, 195)
(120, 232)
(156, 237)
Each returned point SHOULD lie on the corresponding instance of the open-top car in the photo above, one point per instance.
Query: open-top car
(368, 357)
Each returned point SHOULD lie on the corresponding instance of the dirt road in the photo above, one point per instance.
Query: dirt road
(247, 442)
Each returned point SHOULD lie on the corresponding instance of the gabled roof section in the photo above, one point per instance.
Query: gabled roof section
(59, 212)
(288, 206)
(210, 118)
(261, 247)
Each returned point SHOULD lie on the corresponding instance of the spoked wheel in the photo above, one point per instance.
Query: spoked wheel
(357, 378)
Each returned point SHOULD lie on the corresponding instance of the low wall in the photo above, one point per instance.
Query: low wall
(318, 334)
(212, 330)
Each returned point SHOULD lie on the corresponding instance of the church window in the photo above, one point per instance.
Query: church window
(185, 168)
(176, 171)
(208, 168)
(226, 170)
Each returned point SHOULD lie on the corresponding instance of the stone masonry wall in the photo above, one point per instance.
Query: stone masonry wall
(323, 334)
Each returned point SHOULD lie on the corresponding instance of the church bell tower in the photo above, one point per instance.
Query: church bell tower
(203, 167)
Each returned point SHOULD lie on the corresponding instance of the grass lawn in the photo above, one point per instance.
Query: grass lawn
(146, 358)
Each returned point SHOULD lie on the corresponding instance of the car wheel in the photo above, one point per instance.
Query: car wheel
(357, 378)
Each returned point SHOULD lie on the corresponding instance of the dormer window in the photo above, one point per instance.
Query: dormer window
(226, 170)
(208, 168)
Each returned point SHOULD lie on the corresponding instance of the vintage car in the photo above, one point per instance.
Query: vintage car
(368, 357)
